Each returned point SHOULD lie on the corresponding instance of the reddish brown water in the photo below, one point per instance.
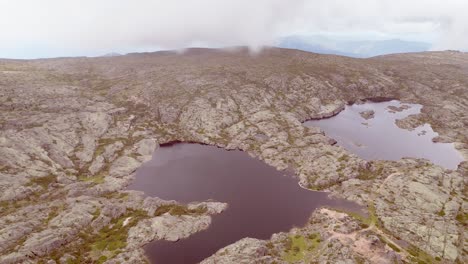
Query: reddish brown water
(381, 138)
(262, 200)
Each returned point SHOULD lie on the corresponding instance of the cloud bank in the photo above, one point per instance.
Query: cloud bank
(89, 27)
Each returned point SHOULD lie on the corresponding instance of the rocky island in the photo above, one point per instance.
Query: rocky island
(73, 132)
(367, 114)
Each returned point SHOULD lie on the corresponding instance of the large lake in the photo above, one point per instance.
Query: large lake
(262, 200)
(380, 138)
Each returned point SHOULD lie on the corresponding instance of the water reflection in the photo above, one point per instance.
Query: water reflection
(380, 138)
(262, 200)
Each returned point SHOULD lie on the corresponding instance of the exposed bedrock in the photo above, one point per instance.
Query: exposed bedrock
(73, 131)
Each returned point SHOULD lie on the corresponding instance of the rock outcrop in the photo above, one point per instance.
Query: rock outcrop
(368, 114)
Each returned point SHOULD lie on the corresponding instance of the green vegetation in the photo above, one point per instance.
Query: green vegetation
(101, 259)
(4, 168)
(178, 210)
(441, 212)
(201, 131)
(390, 244)
(114, 237)
(462, 217)
(54, 211)
(96, 179)
(419, 256)
(270, 245)
(7, 207)
(291, 139)
(367, 174)
(393, 246)
(344, 158)
(298, 247)
(365, 220)
(103, 142)
(359, 260)
(374, 220)
(96, 214)
(97, 247)
(44, 182)
(340, 169)
(4, 204)
(321, 187)
(116, 195)
(295, 249)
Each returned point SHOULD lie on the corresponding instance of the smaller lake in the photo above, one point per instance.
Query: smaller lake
(380, 138)
(261, 199)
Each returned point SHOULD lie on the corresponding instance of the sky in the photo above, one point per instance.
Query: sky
(52, 28)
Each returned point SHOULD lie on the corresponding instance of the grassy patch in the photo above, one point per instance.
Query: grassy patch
(390, 244)
(441, 212)
(298, 247)
(176, 209)
(368, 174)
(344, 158)
(114, 237)
(116, 195)
(393, 246)
(4, 168)
(374, 220)
(270, 245)
(4, 204)
(54, 211)
(324, 186)
(295, 249)
(104, 142)
(101, 259)
(359, 260)
(44, 182)
(97, 247)
(462, 217)
(365, 220)
(96, 179)
(96, 214)
(419, 256)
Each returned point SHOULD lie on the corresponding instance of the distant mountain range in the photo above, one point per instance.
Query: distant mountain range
(344, 47)
(352, 48)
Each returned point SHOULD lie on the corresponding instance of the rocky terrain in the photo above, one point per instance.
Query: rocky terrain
(74, 130)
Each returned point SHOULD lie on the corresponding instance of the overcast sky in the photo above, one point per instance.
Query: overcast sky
(49, 28)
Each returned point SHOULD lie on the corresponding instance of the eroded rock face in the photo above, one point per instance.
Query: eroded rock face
(73, 131)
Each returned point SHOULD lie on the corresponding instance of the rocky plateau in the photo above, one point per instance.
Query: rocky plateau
(73, 131)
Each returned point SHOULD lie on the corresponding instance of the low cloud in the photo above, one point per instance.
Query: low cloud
(93, 26)
(168, 24)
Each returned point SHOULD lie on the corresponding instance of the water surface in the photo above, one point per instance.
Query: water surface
(381, 138)
(262, 200)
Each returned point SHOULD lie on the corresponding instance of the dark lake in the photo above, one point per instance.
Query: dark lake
(262, 200)
(381, 138)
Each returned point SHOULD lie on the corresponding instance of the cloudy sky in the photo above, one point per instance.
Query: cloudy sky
(50, 28)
